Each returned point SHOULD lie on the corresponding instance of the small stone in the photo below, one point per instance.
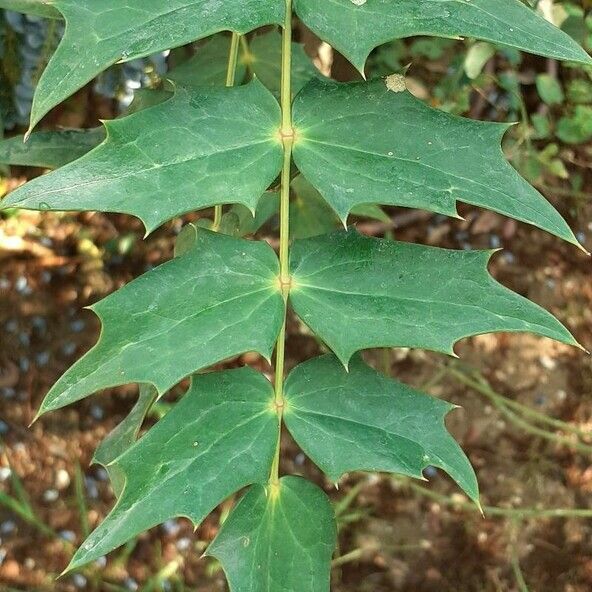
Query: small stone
(101, 562)
(183, 544)
(77, 326)
(11, 326)
(91, 487)
(8, 392)
(62, 479)
(68, 348)
(130, 584)
(79, 581)
(7, 527)
(5, 474)
(10, 570)
(50, 495)
(96, 412)
(68, 535)
(3, 428)
(171, 527)
(430, 472)
(42, 359)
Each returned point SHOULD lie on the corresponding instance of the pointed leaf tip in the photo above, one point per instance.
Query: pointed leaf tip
(352, 422)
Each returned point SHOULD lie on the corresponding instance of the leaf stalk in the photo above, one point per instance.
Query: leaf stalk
(287, 136)
(230, 79)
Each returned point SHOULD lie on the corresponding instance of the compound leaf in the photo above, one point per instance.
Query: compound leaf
(197, 149)
(362, 420)
(123, 436)
(50, 150)
(357, 292)
(407, 154)
(34, 7)
(278, 539)
(356, 27)
(218, 300)
(100, 33)
(218, 438)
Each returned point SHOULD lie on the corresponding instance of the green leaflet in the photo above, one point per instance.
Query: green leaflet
(407, 154)
(265, 59)
(199, 148)
(278, 540)
(356, 292)
(50, 150)
(220, 299)
(208, 66)
(217, 439)
(356, 27)
(34, 7)
(122, 438)
(102, 32)
(362, 420)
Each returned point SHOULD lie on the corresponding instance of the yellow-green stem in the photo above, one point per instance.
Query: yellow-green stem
(230, 76)
(287, 136)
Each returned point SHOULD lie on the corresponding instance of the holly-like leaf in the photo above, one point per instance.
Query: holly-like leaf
(208, 66)
(100, 33)
(123, 436)
(278, 539)
(363, 421)
(218, 300)
(198, 149)
(265, 60)
(34, 7)
(408, 154)
(50, 150)
(357, 292)
(356, 27)
(218, 438)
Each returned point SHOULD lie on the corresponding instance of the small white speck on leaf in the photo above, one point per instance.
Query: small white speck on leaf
(358, 2)
(396, 83)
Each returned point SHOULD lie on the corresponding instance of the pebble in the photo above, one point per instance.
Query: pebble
(8, 392)
(183, 544)
(4, 284)
(39, 323)
(101, 474)
(68, 348)
(7, 527)
(3, 554)
(495, 242)
(430, 472)
(77, 326)
(24, 339)
(11, 326)
(171, 527)
(22, 286)
(130, 584)
(68, 535)
(5, 474)
(96, 412)
(79, 581)
(3, 428)
(62, 479)
(24, 364)
(50, 495)
(91, 487)
(46, 277)
(581, 237)
(300, 459)
(101, 562)
(42, 359)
